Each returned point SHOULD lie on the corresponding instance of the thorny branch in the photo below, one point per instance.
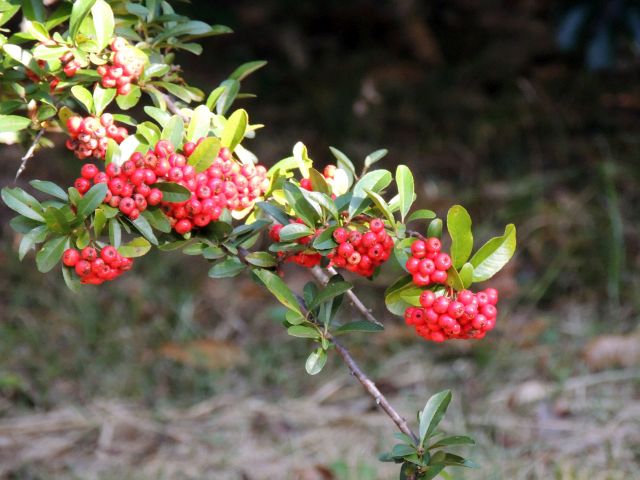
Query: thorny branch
(29, 153)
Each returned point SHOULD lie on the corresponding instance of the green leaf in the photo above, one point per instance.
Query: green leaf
(204, 154)
(228, 96)
(234, 129)
(157, 219)
(143, 226)
(323, 201)
(130, 100)
(300, 204)
(375, 157)
(316, 361)
(37, 235)
(13, 123)
(433, 413)
(274, 211)
(453, 279)
(421, 214)
(318, 182)
(494, 255)
(56, 219)
(279, 289)
(103, 23)
(432, 472)
(261, 259)
(325, 240)
(90, 201)
(435, 228)
(23, 57)
(230, 267)
(402, 294)
(158, 115)
(330, 291)
(36, 29)
(453, 440)
(115, 232)
(359, 326)
(99, 221)
(373, 181)
(404, 179)
(400, 450)
(79, 12)
(382, 206)
(466, 275)
(149, 131)
(459, 227)
(450, 459)
(23, 203)
(302, 331)
(50, 188)
(214, 96)
(23, 224)
(345, 164)
(173, 131)
(135, 248)
(102, 98)
(200, 123)
(83, 96)
(173, 192)
(246, 69)
(294, 231)
(50, 253)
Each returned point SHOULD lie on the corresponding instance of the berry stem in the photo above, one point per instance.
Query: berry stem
(323, 278)
(171, 105)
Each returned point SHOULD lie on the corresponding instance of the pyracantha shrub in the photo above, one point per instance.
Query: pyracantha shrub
(180, 177)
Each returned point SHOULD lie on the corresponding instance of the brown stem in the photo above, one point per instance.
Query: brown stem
(323, 278)
(171, 105)
(372, 390)
(29, 153)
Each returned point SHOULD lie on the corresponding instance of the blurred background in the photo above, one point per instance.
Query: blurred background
(523, 111)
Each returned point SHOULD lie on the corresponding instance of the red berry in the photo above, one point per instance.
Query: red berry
(492, 295)
(433, 244)
(89, 171)
(427, 298)
(89, 254)
(441, 304)
(376, 225)
(426, 266)
(183, 226)
(83, 268)
(418, 249)
(70, 257)
(439, 276)
(340, 235)
(412, 265)
(442, 261)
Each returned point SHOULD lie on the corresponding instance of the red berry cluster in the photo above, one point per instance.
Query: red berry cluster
(225, 184)
(126, 67)
(427, 264)
(128, 185)
(69, 64)
(462, 315)
(95, 267)
(304, 259)
(361, 252)
(328, 173)
(89, 135)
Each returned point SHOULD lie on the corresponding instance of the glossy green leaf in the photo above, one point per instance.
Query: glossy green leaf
(435, 228)
(131, 99)
(23, 203)
(102, 97)
(422, 214)
(50, 188)
(228, 96)
(375, 157)
(359, 326)
(316, 361)
(174, 131)
(204, 154)
(90, 201)
(135, 248)
(115, 232)
(230, 267)
(99, 221)
(59, 220)
(330, 291)
(450, 459)
(453, 440)
(79, 12)
(453, 279)
(50, 253)
(157, 219)
(293, 231)
(382, 206)
(375, 181)
(84, 97)
(143, 226)
(37, 235)
(402, 294)
(261, 259)
(325, 241)
(300, 204)
(406, 189)
(432, 414)
(345, 164)
(466, 275)
(200, 124)
(103, 23)
(279, 289)
(275, 212)
(303, 331)
(214, 96)
(235, 129)
(23, 57)
(13, 123)
(160, 116)
(246, 69)
(173, 192)
(459, 227)
(494, 255)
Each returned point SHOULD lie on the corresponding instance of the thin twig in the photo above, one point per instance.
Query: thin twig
(29, 153)
(371, 388)
(323, 278)
(171, 105)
